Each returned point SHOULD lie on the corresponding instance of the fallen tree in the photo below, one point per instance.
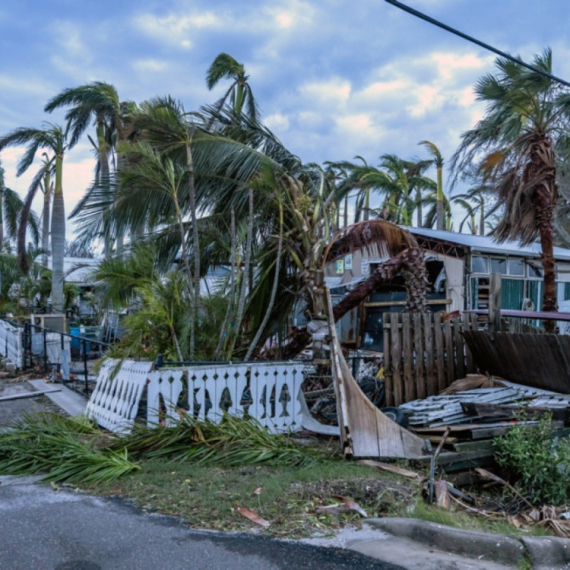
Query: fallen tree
(409, 263)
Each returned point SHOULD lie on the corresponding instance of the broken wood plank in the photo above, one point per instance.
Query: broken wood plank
(391, 468)
(420, 380)
(449, 355)
(388, 375)
(365, 431)
(514, 412)
(431, 382)
(439, 352)
(408, 358)
(23, 395)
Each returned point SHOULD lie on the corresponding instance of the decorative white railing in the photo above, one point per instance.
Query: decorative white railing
(268, 392)
(11, 343)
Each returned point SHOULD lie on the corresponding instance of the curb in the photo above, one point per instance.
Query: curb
(547, 552)
(480, 545)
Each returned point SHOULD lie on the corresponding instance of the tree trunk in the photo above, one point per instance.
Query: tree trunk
(103, 177)
(439, 197)
(409, 262)
(58, 238)
(224, 332)
(269, 309)
(346, 210)
(1, 216)
(420, 214)
(245, 271)
(366, 215)
(482, 219)
(45, 219)
(195, 246)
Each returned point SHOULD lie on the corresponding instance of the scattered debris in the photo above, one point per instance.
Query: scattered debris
(253, 517)
(346, 506)
(391, 468)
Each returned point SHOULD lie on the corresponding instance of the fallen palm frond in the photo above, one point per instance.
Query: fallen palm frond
(473, 382)
(232, 442)
(74, 450)
(64, 449)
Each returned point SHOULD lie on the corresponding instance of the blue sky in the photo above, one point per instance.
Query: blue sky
(333, 78)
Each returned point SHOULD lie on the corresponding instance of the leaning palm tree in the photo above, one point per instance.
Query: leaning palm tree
(52, 138)
(523, 131)
(226, 67)
(11, 206)
(97, 103)
(437, 160)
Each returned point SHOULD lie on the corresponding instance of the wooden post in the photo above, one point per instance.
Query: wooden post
(495, 303)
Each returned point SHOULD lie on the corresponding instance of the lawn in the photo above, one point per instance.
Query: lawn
(208, 497)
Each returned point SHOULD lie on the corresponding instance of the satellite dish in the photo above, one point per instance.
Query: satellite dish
(527, 304)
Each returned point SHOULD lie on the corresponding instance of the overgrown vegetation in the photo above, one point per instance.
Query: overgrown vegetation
(538, 461)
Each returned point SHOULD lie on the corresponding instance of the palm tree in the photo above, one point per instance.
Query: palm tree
(226, 67)
(51, 137)
(11, 206)
(97, 103)
(438, 162)
(525, 127)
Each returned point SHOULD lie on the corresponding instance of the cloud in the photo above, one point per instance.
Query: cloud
(334, 91)
(177, 29)
(152, 65)
(277, 122)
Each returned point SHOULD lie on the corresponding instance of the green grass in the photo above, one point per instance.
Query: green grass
(207, 497)
(461, 519)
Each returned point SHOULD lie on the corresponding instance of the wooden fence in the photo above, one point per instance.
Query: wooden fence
(538, 360)
(424, 354)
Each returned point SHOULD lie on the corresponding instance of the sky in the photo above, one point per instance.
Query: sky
(334, 79)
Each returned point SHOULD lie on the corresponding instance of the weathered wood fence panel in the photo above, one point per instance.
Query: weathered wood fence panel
(424, 354)
(538, 360)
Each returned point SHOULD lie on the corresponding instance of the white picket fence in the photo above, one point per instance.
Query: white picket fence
(12, 343)
(267, 391)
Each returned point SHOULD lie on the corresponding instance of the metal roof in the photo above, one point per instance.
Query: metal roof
(487, 244)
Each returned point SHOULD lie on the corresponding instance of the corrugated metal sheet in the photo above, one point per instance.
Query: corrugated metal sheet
(487, 244)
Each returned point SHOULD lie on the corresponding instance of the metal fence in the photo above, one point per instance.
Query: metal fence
(60, 355)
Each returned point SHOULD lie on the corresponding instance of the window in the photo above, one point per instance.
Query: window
(479, 265)
(499, 266)
(534, 271)
(516, 266)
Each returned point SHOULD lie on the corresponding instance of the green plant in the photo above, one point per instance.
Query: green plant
(538, 460)
(64, 449)
(232, 442)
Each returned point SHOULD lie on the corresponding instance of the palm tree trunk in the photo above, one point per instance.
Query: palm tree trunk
(412, 265)
(439, 200)
(57, 237)
(245, 271)
(195, 245)
(45, 219)
(346, 210)
(543, 167)
(1, 216)
(269, 309)
(420, 214)
(482, 219)
(224, 332)
(366, 205)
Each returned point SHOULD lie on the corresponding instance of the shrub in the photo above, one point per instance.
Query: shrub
(538, 460)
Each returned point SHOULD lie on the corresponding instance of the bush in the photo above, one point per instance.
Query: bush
(538, 460)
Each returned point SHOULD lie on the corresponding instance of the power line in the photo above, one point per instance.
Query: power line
(475, 41)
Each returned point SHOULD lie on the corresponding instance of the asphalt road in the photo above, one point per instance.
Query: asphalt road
(45, 529)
